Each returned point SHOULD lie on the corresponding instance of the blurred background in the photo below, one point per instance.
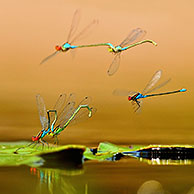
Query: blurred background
(31, 29)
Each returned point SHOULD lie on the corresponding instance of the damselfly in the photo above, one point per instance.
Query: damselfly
(136, 97)
(65, 113)
(71, 38)
(130, 41)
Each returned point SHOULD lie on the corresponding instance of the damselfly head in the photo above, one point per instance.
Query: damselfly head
(58, 48)
(35, 138)
(129, 98)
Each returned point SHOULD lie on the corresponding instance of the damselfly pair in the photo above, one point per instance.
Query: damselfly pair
(136, 97)
(64, 113)
(132, 40)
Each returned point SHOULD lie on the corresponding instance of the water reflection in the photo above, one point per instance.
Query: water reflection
(191, 191)
(151, 187)
(158, 161)
(166, 155)
(155, 187)
(56, 180)
(123, 177)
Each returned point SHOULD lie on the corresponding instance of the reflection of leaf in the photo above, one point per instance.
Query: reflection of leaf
(56, 172)
(38, 155)
(167, 161)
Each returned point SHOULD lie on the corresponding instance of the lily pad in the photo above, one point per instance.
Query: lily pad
(19, 153)
(108, 151)
(89, 155)
(71, 156)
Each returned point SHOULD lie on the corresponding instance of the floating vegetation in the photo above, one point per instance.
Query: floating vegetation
(52, 156)
(73, 156)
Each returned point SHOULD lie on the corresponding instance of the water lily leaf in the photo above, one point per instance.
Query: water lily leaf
(19, 153)
(88, 154)
(109, 151)
(106, 146)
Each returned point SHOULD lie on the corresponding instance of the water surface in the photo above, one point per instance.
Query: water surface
(124, 176)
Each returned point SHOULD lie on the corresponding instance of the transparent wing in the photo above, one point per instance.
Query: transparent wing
(159, 86)
(86, 101)
(82, 115)
(67, 108)
(134, 35)
(114, 65)
(74, 25)
(49, 57)
(42, 111)
(59, 105)
(67, 113)
(85, 31)
(60, 102)
(152, 82)
(71, 98)
(120, 92)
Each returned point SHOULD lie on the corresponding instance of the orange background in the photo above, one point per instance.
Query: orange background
(31, 29)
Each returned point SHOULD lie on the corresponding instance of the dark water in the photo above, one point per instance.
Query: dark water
(124, 176)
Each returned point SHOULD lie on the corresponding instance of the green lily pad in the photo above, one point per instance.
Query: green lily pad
(89, 155)
(70, 156)
(106, 146)
(19, 153)
(107, 151)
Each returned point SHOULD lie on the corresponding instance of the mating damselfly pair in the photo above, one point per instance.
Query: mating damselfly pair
(133, 39)
(63, 114)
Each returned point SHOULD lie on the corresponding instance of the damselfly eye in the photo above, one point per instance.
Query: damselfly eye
(34, 138)
(58, 48)
(129, 98)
